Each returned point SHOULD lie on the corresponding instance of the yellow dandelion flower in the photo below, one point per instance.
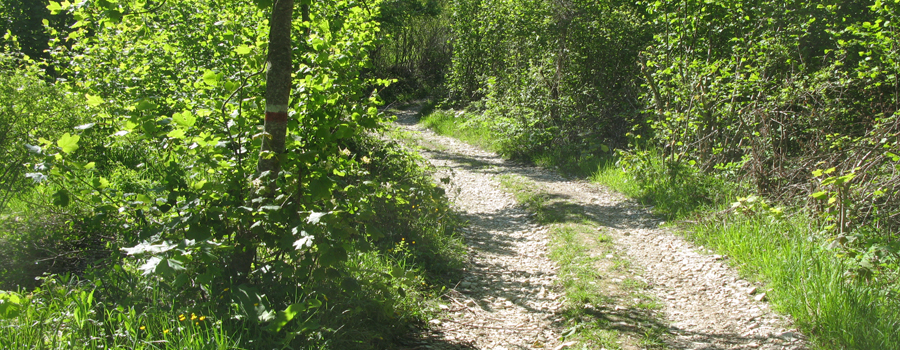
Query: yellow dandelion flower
(196, 323)
(226, 289)
(142, 328)
(202, 318)
(181, 318)
(193, 316)
(414, 242)
(166, 331)
(403, 239)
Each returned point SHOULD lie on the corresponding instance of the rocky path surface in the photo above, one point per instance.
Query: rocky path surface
(509, 297)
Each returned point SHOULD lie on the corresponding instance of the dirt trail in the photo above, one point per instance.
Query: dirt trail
(510, 298)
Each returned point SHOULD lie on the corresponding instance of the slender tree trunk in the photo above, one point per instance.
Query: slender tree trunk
(278, 87)
(278, 92)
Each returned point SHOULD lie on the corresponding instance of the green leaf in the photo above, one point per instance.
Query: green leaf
(150, 266)
(263, 4)
(93, 100)
(169, 266)
(68, 143)
(819, 195)
(176, 134)
(100, 182)
(283, 317)
(242, 50)
(10, 305)
(211, 78)
(185, 119)
(144, 105)
(61, 198)
(398, 272)
(315, 218)
(817, 172)
(149, 248)
(54, 7)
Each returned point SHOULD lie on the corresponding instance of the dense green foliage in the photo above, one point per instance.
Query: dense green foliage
(144, 204)
(135, 171)
(550, 75)
(414, 51)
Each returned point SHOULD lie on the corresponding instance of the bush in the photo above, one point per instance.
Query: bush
(33, 109)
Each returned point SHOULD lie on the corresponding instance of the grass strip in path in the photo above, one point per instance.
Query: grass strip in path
(606, 303)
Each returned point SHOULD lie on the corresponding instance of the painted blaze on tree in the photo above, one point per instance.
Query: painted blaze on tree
(278, 87)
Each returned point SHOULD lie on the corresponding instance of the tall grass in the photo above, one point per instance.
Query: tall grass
(674, 188)
(66, 314)
(806, 279)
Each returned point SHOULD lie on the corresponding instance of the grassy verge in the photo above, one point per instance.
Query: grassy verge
(806, 279)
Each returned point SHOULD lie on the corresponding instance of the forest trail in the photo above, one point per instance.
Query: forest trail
(660, 291)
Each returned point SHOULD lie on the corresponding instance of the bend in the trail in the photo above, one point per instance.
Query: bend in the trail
(510, 298)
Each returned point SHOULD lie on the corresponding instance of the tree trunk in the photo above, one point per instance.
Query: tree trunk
(278, 92)
(278, 87)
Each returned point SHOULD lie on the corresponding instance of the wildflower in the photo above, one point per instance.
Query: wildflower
(166, 331)
(181, 317)
(142, 328)
(196, 323)
(414, 242)
(226, 289)
(403, 239)
(202, 318)
(193, 316)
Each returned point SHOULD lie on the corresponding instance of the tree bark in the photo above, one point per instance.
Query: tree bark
(278, 88)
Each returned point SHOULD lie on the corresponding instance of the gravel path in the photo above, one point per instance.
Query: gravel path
(510, 299)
